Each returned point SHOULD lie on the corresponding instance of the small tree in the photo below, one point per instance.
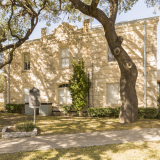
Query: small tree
(79, 85)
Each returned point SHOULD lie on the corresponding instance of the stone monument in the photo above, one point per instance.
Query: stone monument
(34, 100)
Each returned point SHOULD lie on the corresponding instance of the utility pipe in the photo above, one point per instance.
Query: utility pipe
(92, 88)
(144, 64)
(8, 78)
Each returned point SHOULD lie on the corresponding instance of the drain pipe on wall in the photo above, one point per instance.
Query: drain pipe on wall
(8, 100)
(8, 82)
(144, 64)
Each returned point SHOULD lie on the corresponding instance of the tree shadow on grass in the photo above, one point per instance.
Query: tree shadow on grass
(137, 150)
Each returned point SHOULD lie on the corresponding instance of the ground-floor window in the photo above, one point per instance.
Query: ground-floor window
(113, 93)
(26, 95)
(64, 96)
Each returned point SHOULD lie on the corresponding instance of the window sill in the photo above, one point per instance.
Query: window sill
(62, 68)
(113, 62)
(26, 71)
(64, 104)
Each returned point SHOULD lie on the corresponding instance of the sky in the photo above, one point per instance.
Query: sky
(138, 11)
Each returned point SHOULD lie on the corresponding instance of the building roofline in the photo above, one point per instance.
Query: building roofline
(127, 22)
(138, 20)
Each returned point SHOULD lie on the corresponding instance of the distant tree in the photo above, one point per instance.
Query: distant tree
(79, 85)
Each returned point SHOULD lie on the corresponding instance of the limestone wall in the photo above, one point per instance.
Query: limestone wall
(90, 44)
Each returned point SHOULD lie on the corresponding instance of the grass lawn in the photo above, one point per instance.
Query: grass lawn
(128, 151)
(52, 125)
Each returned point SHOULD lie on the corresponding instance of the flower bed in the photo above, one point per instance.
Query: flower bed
(6, 134)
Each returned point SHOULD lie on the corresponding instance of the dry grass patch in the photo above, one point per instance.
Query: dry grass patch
(52, 125)
(128, 151)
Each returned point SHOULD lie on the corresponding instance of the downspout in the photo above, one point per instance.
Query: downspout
(144, 64)
(8, 78)
(8, 82)
(92, 88)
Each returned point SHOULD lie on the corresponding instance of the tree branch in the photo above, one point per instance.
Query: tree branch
(10, 59)
(97, 13)
(94, 5)
(113, 10)
(9, 22)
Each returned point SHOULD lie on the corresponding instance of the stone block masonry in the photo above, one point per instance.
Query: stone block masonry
(17, 134)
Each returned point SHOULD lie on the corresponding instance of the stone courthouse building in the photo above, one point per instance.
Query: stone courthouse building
(46, 63)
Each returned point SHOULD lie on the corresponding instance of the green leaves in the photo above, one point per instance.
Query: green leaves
(79, 85)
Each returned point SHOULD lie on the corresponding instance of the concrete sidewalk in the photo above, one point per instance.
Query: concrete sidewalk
(78, 140)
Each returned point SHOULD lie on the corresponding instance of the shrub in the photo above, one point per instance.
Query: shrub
(28, 126)
(158, 116)
(148, 113)
(66, 108)
(79, 85)
(103, 112)
(14, 108)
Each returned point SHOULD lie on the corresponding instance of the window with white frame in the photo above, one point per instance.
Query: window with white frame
(26, 61)
(113, 94)
(26, 95)
(64, 57)
(64, 96)
(110, 55)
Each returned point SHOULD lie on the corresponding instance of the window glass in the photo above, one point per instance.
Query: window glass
(110, 55)
(113, 95)
(26, 95)
(26, 61)
(64, 96)
(64, 57)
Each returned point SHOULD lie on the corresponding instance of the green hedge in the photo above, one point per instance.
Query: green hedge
(14, 108)
(103, 112)
(148, 113)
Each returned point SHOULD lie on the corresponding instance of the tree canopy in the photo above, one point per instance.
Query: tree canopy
(18, 19)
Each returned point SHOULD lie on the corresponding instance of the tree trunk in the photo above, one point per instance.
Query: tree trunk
(129, 108)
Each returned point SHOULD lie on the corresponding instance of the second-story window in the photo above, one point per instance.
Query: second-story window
(64, 57)
(26, 61)
(110, 55)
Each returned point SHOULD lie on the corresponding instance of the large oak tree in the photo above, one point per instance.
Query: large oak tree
(105, 11)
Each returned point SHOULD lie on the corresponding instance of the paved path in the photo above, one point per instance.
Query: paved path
(78, 140)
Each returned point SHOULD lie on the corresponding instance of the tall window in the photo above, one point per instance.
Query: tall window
(113, 95)
(64, 57)
(64, 96)
(26, 61)
(110, 55)
(26, 95)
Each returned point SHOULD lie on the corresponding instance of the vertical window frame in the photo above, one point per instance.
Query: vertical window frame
(110, 59)
(25, 94)
(64, 58)
(28, 62)
(65, 89)
(107, 97)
